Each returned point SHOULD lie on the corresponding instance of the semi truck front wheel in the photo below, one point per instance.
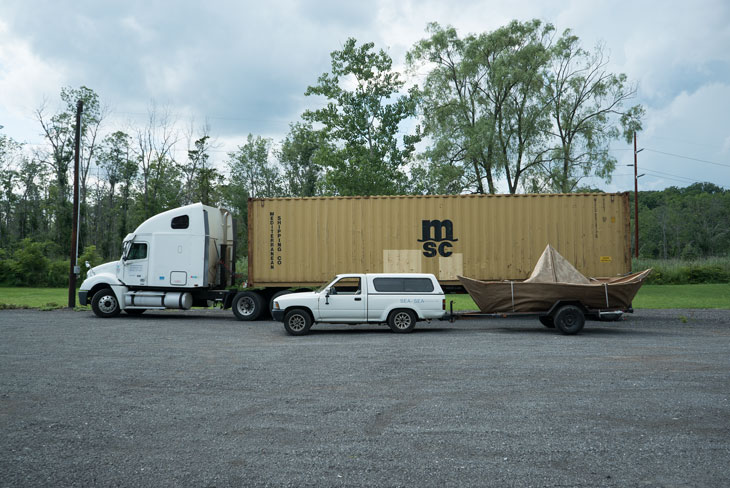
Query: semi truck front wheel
(105, 303)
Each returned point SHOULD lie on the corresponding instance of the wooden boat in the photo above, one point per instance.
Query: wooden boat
(554, 280)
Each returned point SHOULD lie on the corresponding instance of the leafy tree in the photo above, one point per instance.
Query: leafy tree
(59, 131)
(482, 102)
(299, 155)
(252, 175)
(120, 167)
(363, 124)
(586, 101)
(201, 179)
(155, 143)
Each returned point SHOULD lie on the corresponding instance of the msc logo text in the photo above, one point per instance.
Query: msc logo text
(437, 236)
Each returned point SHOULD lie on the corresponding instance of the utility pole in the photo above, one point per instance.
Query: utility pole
(75, 226)
(636, 201)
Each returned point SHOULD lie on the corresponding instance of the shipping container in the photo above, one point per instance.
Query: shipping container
(306, 241)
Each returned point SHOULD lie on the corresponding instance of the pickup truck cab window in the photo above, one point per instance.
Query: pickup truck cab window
(346, 286)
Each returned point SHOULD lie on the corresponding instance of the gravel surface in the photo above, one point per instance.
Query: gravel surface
(199, 399)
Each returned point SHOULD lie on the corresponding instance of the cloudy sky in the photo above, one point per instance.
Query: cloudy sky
(244, 66)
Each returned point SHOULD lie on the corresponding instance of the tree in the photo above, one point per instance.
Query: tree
(155, 144)
(458, 123)
(299, 155)
(586, 101)
(201, 179)
(59, 131)
(120, 167)
(362, 124)
(252, 175)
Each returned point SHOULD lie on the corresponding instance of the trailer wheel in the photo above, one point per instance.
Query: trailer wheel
(547, 321)
(402, 321)
(247, 305)
(105, 303)
(569, 319)
(297, 322)
(135, 311)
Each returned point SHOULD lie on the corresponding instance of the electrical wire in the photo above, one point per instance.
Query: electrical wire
(687, 157)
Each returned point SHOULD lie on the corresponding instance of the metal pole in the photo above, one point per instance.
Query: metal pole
(75, 225)
(636, 201)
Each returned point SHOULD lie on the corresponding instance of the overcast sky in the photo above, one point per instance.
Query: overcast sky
(244, 66)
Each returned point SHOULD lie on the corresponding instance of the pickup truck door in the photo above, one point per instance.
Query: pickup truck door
(346, 301)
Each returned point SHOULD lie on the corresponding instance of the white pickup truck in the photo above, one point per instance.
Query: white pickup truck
(398, 299)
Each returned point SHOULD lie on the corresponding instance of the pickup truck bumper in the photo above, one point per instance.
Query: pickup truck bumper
(82, 297)
(277, 315)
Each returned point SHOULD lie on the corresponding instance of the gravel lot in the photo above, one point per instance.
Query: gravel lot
(200, 399)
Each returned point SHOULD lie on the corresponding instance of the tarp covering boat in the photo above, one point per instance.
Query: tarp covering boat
(554, 279)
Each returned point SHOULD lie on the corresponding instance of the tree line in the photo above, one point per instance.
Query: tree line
(521, 104)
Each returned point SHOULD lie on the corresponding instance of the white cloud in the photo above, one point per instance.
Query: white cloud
(25, 80)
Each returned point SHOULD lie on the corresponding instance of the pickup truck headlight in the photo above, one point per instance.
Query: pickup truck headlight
(276, 305)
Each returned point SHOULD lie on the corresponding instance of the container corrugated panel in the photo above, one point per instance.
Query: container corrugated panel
(306, 241)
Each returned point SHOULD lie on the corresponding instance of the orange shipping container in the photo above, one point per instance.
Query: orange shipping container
(306, 241)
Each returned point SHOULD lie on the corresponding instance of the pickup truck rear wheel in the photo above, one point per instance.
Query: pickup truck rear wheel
(247, 305)
(402, 321)
(105, 303)
(569, 319)
(297, 322)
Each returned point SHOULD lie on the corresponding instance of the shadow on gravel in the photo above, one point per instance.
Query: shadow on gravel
(337, 329)
(588, 331)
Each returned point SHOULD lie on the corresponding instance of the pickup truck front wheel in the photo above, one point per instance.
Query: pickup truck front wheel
(297, 322)
(402, 321)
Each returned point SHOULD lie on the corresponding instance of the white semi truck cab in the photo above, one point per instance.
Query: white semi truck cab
(176, 259)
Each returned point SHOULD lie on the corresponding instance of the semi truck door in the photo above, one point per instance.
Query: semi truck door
(346, 301)
(136, 264)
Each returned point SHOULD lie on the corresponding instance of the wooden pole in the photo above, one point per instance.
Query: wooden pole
(636, 201)
(75, 225)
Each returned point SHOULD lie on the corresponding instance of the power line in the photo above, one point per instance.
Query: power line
(687, 157)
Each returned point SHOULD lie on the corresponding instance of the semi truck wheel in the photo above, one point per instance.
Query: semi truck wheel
(402, 321)
(247, 305)
(569, 319)
(297, 322)
(105, 303)
(277, 295)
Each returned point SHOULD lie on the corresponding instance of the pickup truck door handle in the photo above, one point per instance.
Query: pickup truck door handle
(358, 299)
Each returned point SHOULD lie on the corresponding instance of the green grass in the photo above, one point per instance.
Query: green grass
(40, 298)
(650, 296)
(683, 296)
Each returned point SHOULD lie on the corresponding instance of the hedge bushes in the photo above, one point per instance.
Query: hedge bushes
(29, 265)
(683, 272)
